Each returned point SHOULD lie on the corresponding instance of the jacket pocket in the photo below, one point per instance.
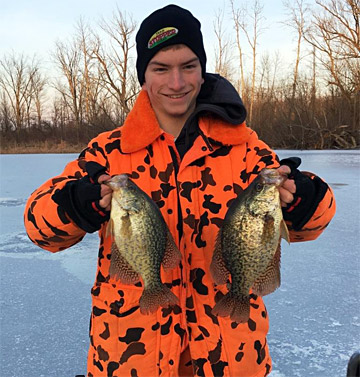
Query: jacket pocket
(120, 336)
(119, 300)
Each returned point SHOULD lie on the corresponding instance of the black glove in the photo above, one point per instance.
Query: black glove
(80, 199)
(308, 195)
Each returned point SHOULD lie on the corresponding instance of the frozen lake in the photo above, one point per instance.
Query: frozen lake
(45, 298)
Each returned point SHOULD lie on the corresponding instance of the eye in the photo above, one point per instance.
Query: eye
(259, 187)
(159, 69)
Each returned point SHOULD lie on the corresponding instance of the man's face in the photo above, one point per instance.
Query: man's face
(173, 80)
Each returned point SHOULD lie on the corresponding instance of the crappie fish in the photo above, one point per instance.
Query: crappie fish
(248, 246)
(141, 243)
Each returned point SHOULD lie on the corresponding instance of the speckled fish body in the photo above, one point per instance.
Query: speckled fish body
(142, 243)
(248, 246)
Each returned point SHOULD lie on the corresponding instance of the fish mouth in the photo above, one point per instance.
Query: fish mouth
(272, 177)
(117, 182)
(125, 193)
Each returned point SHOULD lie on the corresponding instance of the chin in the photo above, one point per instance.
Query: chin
(179, 112)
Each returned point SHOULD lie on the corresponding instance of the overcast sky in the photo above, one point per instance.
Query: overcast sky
(32, 27)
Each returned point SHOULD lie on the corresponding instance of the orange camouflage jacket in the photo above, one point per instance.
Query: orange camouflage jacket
(216, 169)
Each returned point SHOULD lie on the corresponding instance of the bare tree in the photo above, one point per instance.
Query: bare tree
(88, 88)
(222, 50)
(38, 84)
(336, 37)
(115, 69)
(17, 74)
(252, 32)
(237, 18)
(314, 80)
(79, 84)
(6, 118)
(68, 57)
(296, 13)
(60, 116)
(269, 67)
(34, 99)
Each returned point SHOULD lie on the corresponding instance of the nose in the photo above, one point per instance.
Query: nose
(176, 80)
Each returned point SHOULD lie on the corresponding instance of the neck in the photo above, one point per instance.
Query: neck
(171, 125)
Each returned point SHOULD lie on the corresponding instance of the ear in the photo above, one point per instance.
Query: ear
(144, 87)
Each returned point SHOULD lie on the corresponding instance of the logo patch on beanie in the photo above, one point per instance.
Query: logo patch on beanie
(161, 36)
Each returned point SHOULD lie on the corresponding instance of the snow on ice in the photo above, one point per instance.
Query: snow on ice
(45, 298)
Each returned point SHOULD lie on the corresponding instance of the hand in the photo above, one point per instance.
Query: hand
(97, 174)
(106, 192)
(86, 200)
(288, 187)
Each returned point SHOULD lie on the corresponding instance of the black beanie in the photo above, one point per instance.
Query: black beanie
(165, 27)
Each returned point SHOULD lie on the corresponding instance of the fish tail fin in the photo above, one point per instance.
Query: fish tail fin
(237, 308)
(154, 297)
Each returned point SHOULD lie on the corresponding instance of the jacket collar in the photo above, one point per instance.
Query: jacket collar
(141, 128)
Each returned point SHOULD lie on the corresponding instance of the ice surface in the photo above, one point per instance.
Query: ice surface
(45, 298)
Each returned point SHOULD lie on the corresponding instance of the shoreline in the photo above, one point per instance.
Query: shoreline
(79, 148)
(43, 149)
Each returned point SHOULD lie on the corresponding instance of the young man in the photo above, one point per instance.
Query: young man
(185, 144)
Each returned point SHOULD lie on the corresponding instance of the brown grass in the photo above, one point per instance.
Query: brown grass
(40, 147)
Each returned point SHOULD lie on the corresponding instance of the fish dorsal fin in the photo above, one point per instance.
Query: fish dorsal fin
(284, 232)
(120, 268)
(218, 269)
(172, 255)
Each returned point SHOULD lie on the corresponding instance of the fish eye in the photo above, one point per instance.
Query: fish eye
(259, 187)
(132, 188)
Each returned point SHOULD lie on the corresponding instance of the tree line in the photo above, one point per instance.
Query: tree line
(314, 105)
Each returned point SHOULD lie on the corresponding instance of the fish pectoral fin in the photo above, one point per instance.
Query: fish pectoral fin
(172, 255)
(120, 268)
(218, 269)
(268, 228)
(284, 232)
(110, 228)
(270, 279)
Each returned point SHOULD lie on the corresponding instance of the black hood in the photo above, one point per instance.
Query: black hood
(217, 96)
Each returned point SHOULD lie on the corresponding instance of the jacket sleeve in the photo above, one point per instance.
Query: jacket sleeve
(260, 156)
(47, 224)
(320, 218)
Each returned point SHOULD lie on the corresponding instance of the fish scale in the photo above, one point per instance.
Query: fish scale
(141, 243)
(247, 250)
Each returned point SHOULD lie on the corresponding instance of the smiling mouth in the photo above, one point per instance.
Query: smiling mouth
(176, 96)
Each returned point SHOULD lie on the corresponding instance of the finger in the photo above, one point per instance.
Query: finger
(105, 190)
(289, 184)
(105, 201)
(103, 178)
(284, 170)
(286, 196)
